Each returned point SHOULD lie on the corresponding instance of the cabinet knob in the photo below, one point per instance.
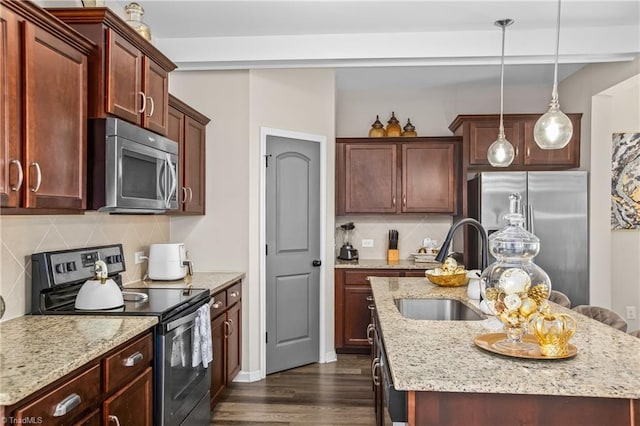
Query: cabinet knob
(18, 165)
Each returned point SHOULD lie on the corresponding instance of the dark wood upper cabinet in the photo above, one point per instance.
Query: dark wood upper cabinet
(43, 111)
(397, 175)
(129, 76)
(479, 131)
(188, 127)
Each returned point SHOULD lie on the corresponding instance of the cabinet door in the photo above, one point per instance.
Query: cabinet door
(92, 419)
(124, 94)
(131, 405)
(428, 178)
(55, 122)
(219, 357)
(10, 111)
(234, 341)
(567, 156)
(156, 91)
(357, 315)
(370, 178)
(194, 166)
(483, 133)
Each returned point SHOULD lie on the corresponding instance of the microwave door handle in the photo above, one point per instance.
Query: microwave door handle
(174, 182)
(162, 184)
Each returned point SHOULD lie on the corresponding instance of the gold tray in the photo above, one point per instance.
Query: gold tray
(488, 343)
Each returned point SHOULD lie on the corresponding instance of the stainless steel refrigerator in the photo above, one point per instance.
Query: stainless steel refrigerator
(555, 206)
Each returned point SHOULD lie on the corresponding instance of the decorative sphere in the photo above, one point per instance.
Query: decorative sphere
(514, 281)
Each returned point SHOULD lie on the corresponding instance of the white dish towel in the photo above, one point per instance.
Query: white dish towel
(201, 338)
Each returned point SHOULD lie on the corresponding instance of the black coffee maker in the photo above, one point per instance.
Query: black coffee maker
(347, 252)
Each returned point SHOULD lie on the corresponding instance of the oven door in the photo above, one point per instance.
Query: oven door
(180, 387)
(139, 177)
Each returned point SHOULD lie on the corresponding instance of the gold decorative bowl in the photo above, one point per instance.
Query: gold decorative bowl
(447, 280)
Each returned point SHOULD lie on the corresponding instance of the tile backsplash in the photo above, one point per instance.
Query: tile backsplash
(411, 231)
(20, 236)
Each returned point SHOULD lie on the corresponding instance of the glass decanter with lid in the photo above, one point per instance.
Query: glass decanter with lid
(514, 287)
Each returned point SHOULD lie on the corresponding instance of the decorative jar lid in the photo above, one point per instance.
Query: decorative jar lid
(514, 240)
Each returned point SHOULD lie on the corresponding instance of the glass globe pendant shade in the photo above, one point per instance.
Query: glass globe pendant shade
(501, 152)
(554, 129)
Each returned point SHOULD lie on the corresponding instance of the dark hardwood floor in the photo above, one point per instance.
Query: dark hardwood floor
(337, 393)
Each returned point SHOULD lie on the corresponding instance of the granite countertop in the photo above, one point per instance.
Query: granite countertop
(212, 281)
(384, 264)
(440, 356)
(38, 350)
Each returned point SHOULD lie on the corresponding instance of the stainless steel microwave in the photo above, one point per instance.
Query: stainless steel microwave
(131, 170)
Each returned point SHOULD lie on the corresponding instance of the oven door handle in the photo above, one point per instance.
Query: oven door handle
(190, 317)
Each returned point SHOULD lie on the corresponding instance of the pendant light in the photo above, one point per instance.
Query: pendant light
(501, 153)
(554, 129)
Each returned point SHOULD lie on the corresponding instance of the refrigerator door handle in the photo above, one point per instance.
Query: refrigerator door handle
(530, 221)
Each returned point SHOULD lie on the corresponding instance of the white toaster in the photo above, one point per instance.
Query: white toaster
(168, 261)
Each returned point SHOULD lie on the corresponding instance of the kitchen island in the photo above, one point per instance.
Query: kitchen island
(450, 381)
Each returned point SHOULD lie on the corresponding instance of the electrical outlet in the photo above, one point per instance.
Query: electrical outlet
(631, 312)
(367, 243)
(139, 257)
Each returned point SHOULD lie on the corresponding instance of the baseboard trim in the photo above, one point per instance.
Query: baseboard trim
(247, 376)
(330, 356)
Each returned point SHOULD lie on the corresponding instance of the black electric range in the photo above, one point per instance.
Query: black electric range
(58, 275)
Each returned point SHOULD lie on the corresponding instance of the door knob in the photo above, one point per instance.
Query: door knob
(316, 263)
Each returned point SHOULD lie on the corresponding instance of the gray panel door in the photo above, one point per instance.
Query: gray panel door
(293, 244)
(558, 212)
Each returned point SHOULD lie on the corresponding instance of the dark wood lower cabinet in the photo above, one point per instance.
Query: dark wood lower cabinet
(226, 333)
(352, 313)
(131, 405)
(472, 409)
(91, 419)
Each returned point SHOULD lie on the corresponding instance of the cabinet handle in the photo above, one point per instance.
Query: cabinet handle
(231, 327)
(133, 359)
(20, 175)
(370, 328)
(404, 200)
(190, 194)
(144, 102)
(184, 194)
(372, 307)
(374, 367)
(153, 105)
(393, 202)
(66, 405)
(227, 328)
(367, 278)
(528, 151)
(517, 152)
(113, 418)
(234, 294)
(38, 176)
(370, 298)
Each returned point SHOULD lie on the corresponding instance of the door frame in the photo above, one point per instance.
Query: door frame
(322, 140)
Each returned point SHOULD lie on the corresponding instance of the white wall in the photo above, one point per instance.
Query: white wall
(227, 237)
(608, 107)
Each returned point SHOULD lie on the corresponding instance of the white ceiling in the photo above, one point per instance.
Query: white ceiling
(374, 43)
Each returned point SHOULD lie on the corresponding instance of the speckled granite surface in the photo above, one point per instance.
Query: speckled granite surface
(441, 356)
(209, 280)
(38, 350)
(383, 264)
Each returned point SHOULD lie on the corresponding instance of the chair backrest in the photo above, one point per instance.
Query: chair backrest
(560, 298)
(604, 315)
(635, 333)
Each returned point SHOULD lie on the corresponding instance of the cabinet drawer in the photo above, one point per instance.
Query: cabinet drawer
(418, 273)
(128, 362)
(218, 304)
(353, 277)
(234, 293)
(66, 402)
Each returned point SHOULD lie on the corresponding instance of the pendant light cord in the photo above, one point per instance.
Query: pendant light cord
(501, 129)
(554, 92)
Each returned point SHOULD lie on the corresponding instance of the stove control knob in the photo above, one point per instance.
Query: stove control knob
(71, 266)
(112, 259)
(61, 268)
(119, 258)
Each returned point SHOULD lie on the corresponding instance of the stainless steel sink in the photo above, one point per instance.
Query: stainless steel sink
(436, 309)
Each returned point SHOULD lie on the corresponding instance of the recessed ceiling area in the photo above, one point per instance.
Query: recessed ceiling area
(416, 44)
